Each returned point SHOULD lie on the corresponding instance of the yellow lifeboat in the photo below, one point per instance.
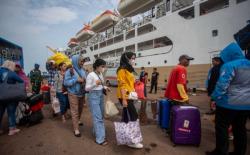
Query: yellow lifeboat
(104, 21)
(72, 43)
(85, 34)
(128, 8)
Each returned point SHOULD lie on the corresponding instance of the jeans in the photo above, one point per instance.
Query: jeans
(96, 104)
(223, 119)
(11, 110)
(64, 102)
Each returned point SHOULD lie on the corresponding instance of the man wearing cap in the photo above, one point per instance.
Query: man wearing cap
(177, 86)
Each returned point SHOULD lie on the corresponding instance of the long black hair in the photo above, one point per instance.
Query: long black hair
(124, 62)
(99, 62)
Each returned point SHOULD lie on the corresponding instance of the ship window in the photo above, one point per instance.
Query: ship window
(145, 45)
(119, 52)
(91, 48)
(139, 54)
(135, 64)
(96, 47)
(110, 42)
(162, 41)
(118, 39)
(130, 34)
(149, 63)
(239, 1)
(165, 61)
(146, 29)
(187, 13)
(213, 5)
(103, 44)
(83, 51)
(215, 33)
(130, 48)
(179, 4)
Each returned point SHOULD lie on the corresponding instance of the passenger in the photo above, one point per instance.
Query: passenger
(36, 79)
(231, 94)
(95, 87)
(154, 80)
(212, 80)
(61, 92)
(51, 68)
(22, 75)
(177, 84)
(75, 82)
(144, 79)
(9, 67)
(126, 81)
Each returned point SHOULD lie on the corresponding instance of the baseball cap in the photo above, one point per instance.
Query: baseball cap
(185, 57)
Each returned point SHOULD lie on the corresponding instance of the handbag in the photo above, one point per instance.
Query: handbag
(12, 92)
(82, 84)
(55, 105)
(110, 108)
(133, 96)
(104, 91)
(128, 133)
(139, 89)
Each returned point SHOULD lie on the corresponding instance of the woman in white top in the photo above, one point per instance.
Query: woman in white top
(96, 89)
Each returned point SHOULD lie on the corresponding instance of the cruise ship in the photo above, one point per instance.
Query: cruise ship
(159, 31)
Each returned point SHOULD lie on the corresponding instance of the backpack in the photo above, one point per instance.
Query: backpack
(243, 39)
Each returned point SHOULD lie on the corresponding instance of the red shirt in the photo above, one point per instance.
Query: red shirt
(177, 76)
(45, 88)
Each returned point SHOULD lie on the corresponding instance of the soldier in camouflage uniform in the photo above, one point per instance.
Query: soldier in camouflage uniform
(36, 79)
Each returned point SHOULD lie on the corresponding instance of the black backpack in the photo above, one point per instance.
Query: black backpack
(243, 39)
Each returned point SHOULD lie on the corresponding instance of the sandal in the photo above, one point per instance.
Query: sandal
(104, 143)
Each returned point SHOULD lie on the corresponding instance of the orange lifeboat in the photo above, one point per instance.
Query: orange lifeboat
(85, 34)
(128, 8)
(104, 21)
(73, 43)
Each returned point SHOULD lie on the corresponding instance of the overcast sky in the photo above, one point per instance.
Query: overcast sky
(33, 24)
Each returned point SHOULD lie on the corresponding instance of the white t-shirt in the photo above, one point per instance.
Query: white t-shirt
(91, 82)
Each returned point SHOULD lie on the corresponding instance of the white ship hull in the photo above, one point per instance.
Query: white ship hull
(189, 36)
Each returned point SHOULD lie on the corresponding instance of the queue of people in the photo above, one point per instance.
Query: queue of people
(227, 86)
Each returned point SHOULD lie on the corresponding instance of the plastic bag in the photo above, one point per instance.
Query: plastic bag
(110, 108)
(56, 105)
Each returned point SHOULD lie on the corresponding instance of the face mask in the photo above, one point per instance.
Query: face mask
(103, 70)
(132, 62)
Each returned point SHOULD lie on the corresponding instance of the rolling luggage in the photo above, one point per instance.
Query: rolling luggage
(185, 125)
(164, 113)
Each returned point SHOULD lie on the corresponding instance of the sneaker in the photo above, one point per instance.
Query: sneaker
(77, 133)
(212, 153)
(80, 123)
(231, 137)
(136, 146)
(212, 112)
(13, 131)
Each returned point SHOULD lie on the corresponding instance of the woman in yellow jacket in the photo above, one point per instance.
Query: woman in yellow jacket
(126, 80)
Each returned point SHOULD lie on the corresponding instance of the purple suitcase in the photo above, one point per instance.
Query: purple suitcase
(185, 125)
